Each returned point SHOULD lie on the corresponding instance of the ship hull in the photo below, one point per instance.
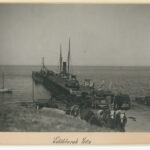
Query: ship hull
(57, 87)
(49, 84)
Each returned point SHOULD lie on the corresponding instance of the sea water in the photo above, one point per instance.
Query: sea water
(134, 81)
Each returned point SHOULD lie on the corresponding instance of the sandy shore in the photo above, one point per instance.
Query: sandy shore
(142, 114)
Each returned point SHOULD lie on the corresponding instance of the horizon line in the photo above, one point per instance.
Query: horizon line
(84, 65)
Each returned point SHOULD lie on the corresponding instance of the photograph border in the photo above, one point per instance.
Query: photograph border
(92, 138)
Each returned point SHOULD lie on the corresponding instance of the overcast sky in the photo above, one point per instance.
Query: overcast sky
(100, 34)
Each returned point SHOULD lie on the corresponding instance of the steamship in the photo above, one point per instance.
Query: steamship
(62, 83)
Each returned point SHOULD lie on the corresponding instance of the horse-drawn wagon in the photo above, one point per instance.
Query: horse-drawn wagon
(147, 100)
(122, 101)
(103, 99)
(143, 100)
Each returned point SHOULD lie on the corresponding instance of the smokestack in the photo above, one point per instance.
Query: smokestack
(64, 68)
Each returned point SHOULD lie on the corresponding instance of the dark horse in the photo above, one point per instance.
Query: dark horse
(111, 119)
(86, 112)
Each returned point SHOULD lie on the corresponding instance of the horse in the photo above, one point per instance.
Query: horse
(100, 117)
(75, 111)
(99, 114)
(86, 114)
(111, 119)
(106, 115)
(121, 121)
(93, 116)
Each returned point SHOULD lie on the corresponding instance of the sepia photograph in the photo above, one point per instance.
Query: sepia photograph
(74, 68)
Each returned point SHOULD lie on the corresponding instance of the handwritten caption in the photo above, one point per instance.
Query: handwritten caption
(60, 140)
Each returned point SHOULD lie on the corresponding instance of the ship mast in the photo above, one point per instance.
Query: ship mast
(69, 57)
(3, 80)
(43, 65)
(33, 90)
(60, 60)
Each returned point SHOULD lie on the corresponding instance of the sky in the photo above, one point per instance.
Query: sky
(101, 35)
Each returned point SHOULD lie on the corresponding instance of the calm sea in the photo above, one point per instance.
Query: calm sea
(134, 81)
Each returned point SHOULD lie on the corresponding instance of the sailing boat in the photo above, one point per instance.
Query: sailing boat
(3, 89)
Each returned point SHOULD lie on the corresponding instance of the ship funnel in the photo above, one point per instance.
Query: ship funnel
(64, 68)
